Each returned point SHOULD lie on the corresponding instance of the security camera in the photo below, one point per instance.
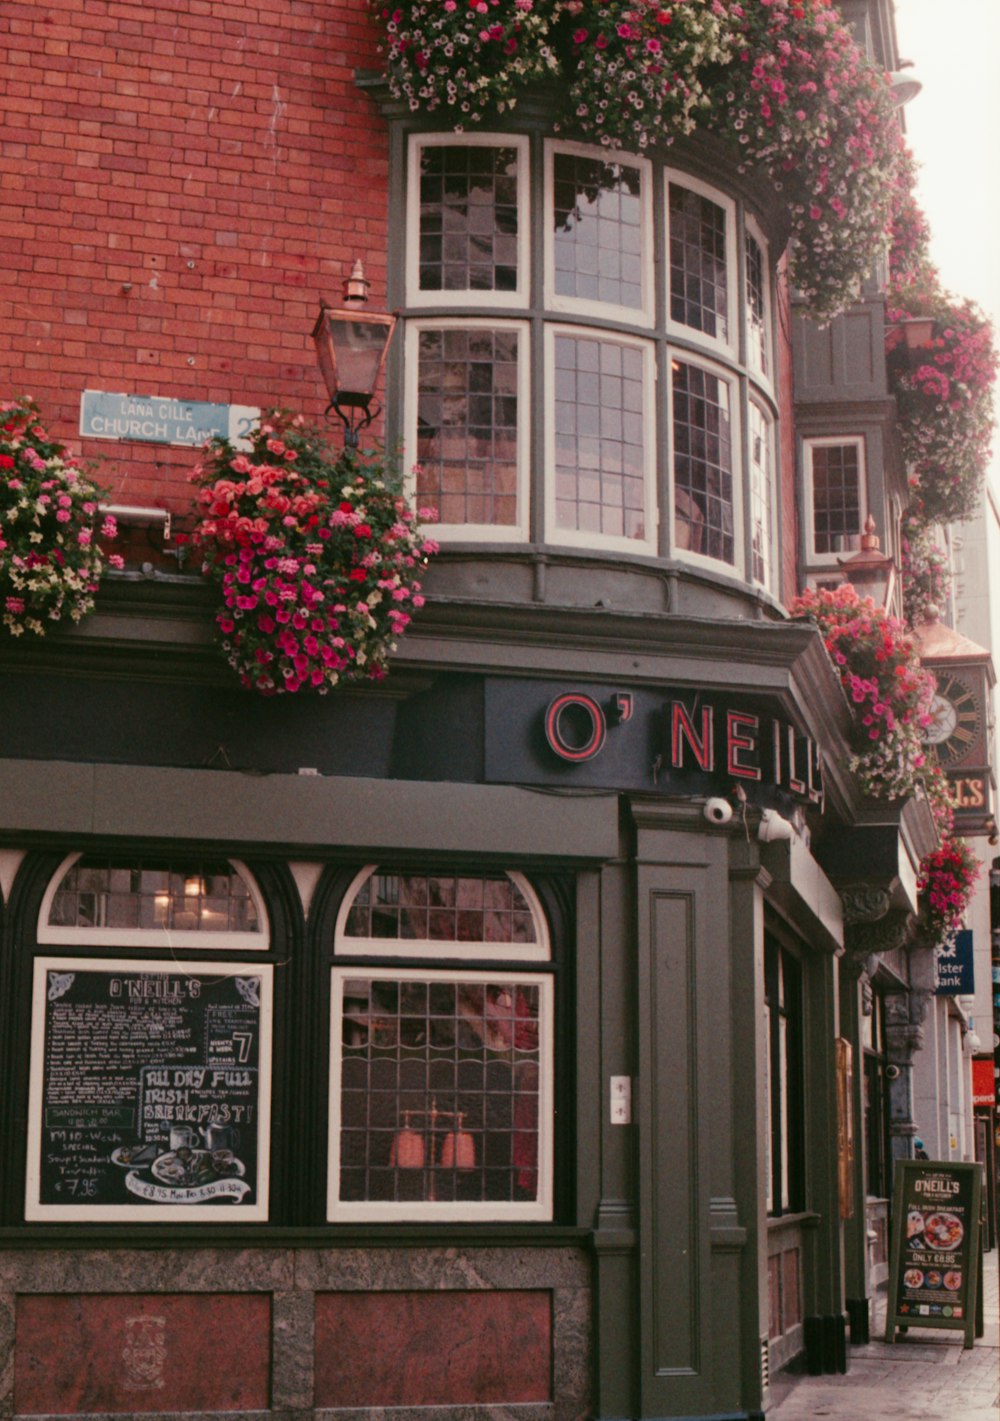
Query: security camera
(718, 811)
(774, 827)
(892, 1073)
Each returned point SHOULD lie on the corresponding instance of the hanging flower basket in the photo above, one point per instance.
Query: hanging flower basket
(943, 380)
(470, 59)
(50, 559)
(784, 82)
(315, 554)
(944, 395)
(889, 691)
(945, 886)
(925, 575)
(890, 694)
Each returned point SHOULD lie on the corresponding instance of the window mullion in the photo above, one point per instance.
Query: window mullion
(539, 407)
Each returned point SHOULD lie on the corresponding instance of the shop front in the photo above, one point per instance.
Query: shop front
(471, 1041)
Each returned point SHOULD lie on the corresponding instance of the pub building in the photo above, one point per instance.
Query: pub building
(533, 1027)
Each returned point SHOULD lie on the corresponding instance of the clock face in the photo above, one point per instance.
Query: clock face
(955, 719)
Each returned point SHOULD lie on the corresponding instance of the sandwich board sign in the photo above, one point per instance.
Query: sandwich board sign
(934, 1255)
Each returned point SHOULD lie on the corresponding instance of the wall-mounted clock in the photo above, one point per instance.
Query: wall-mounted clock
(956, 719)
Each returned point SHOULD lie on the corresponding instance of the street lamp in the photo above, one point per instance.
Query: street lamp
(351, 346)
(870, 571)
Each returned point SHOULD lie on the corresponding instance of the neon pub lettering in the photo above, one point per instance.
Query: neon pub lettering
(722, 741)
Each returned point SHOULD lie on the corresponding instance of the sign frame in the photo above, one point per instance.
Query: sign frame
(160, 1197)
(952, 1190)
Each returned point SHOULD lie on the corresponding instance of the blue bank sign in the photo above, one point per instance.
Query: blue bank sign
(954, 967)
(161, 419)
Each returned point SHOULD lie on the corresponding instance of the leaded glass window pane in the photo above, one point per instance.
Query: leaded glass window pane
(440, 907)
(467, 415)
(761, 512)
(597, 223)
(600, 460)
(468, 218)
(440, 1089)
(757, 335)
(703, 462)
(699, 296)
(836, 491)
(203, 896)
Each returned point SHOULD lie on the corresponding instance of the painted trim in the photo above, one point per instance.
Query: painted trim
(435, 949)
(423, 1210)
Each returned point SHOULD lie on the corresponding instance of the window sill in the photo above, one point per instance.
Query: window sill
(329, 1236)
(807, 1219)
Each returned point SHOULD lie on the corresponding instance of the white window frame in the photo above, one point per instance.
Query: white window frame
(428, 1211)
(191, 939)
(771, 541)
(622, 315)
(740, 475)
(578, 538)
(727, 349)
(474, 532)
(488, 300)
(762, 377)
(831, 441)
(34, 1210)
(429, 948)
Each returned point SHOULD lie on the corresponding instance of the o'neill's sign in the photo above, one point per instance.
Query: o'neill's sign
(681, 741)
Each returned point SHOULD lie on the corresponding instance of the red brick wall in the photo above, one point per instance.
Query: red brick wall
(180, 183)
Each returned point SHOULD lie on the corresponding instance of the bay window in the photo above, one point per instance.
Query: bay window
(601, 456)
(703, 462)
(555, 392)
(701, 262)
(470, 429)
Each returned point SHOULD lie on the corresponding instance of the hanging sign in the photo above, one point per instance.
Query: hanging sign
(955, 975)
(150, 1087)
(934, 1255)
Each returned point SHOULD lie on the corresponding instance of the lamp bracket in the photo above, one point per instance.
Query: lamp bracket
(355, 412)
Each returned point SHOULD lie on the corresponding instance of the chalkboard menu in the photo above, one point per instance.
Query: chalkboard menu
(935, 1247)
(150, 1091)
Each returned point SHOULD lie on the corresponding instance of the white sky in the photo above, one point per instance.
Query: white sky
(953, 127)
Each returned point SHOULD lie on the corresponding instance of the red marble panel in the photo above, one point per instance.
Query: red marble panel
(142, 1352)
(791, 1302)
(774, 1295)
(433, 1349)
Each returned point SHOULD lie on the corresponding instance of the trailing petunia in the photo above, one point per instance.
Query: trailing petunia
(945, 886)
(51, 560)
(890, 695)
(944, 387)
(468, 57)
(784, 82)
(316, 556)
(926, 576)
(889, 691)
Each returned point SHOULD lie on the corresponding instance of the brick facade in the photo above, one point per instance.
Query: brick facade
(178, 195)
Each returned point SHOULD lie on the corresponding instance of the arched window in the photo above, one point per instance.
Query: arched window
(555, 392)
(151, 1029)
(441, 1070)
(152, 901)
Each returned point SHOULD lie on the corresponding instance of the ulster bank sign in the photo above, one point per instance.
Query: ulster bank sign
(676, 741)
